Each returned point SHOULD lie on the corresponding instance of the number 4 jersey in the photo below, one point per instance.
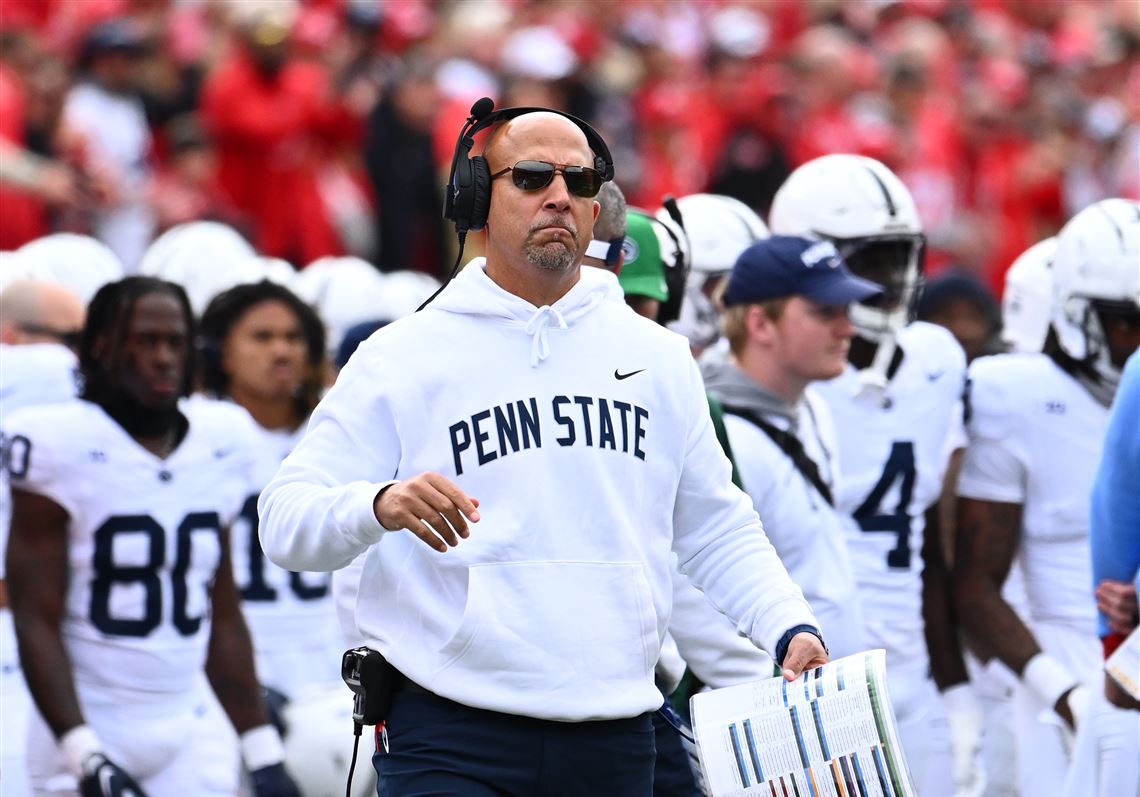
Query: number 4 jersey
(144, 536)
(893, 452)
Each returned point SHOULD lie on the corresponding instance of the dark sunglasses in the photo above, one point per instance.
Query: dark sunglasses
(69, 338)
(535, 175)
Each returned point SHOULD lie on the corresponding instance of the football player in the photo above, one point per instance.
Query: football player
(119, 569)
(38, 319)
(1027, 303)
(264, 349)
(719, 228)
(1036, 429)
(897, 409)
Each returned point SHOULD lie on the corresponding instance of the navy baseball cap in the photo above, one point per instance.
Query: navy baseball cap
(786, 265)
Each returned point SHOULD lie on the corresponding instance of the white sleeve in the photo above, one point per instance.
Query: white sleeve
(345, 588)
(709, 643)
(316, 514)
(992, 469)
(720, 543)
(30, 461)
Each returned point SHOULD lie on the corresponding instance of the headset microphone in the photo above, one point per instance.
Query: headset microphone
(460, 180)
(678, 274)
(482, 107)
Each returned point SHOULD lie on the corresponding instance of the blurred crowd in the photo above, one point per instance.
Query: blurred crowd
(325, 127)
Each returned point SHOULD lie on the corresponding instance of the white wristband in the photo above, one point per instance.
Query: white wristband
(1048, 678)
(79, 744)
(960, 698)
(261, 747)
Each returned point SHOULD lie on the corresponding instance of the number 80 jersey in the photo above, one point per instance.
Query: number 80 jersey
(144, 534)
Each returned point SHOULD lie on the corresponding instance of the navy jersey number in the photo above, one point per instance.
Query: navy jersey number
(870, 515)
(15, 451)
(108, 573)
(256, 588)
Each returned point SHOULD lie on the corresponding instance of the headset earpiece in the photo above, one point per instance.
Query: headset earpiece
(480, 192)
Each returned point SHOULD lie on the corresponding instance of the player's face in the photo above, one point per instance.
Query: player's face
(1121, 332)
(265, 353)
(155, 353)
(886, 263)
(813, 339)
(550, 226)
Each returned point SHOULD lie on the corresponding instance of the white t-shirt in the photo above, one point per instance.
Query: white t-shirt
(1035, 439)
(117, 137)
(144, 535)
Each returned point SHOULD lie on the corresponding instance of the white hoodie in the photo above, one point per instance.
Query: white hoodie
(584, 432)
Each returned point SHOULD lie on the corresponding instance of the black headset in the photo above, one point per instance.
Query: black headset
(678, 273)
(468, 192)
(675, 263)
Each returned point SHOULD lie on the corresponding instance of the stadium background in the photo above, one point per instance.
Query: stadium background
(1003, 117)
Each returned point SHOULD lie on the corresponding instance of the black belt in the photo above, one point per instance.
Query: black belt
(408, 685)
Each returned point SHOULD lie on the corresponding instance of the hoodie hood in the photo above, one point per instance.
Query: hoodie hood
(472, 292)
(733, 387)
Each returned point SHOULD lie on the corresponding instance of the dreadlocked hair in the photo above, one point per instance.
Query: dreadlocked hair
(223, 314)
(108, 315)
(1066, 362)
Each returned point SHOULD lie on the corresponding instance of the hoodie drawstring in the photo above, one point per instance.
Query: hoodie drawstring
(536, 328)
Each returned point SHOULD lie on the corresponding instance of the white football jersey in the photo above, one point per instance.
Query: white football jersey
(893, 450)
(277, 602)
(30, 374)
(144, 537)
(1035, 439)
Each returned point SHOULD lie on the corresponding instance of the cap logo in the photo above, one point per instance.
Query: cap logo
(822, 252)
(629, 250)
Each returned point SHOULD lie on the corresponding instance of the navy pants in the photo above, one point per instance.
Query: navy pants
(437, 747)
(672, 774)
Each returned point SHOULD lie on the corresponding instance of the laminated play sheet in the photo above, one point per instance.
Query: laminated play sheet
(831, 732)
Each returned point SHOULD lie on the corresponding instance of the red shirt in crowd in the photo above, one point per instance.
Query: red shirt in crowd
(266, 133)
(23, 217)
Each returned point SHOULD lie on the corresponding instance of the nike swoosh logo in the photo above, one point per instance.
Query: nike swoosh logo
(618, 375)
(933, 377)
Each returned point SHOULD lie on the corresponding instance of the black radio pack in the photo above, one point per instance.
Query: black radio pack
(373, 682)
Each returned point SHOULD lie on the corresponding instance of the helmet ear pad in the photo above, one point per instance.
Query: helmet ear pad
(480, 192)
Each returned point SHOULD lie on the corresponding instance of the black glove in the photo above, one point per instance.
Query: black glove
(104, 778)
(272, 781)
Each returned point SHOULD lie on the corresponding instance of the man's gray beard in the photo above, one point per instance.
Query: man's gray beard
(549, 258)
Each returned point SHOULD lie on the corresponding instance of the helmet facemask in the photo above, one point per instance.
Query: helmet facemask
(1094, 317)
(895, 263)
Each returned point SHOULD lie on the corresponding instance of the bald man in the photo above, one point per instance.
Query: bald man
(516, 462)
(36, 311)
(36, 319)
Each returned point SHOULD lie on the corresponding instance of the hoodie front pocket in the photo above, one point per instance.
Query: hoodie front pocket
(548, 624)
